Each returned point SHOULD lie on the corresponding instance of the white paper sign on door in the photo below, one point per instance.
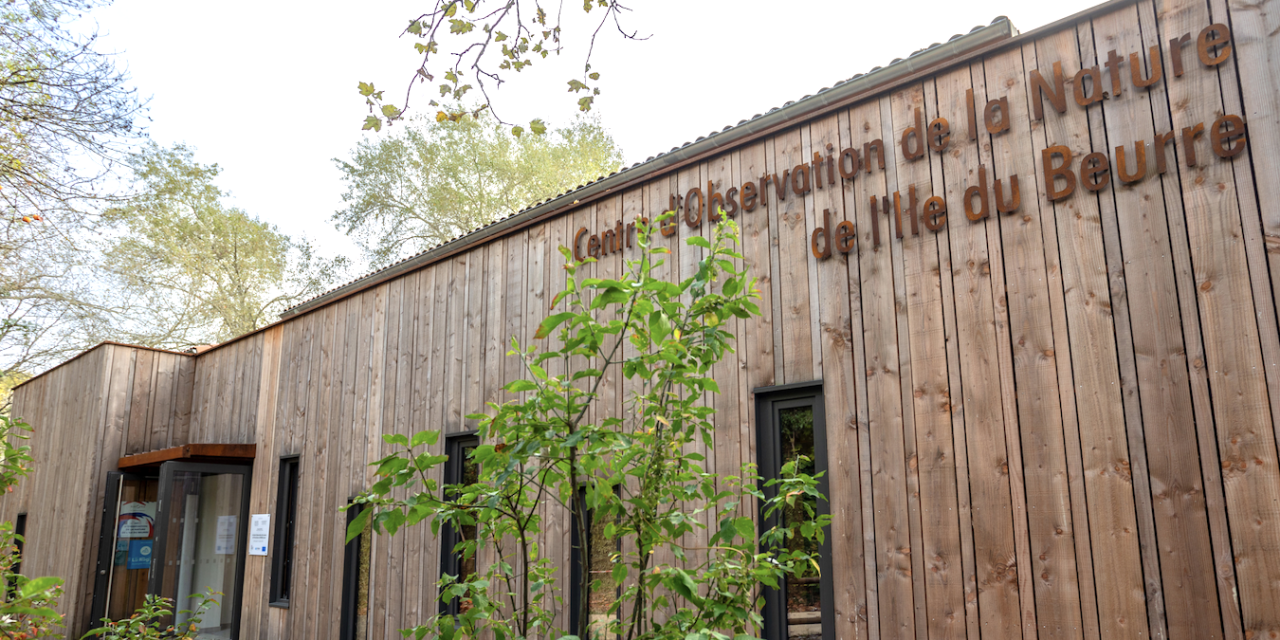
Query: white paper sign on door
(226, 543)
(259, 532)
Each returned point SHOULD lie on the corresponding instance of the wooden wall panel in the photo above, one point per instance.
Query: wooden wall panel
(1056, 422)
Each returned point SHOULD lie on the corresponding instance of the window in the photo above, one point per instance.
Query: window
(286, 512)
(598, 550)
(355, 579)
(19, 530)
(790, 422)
(461, 468)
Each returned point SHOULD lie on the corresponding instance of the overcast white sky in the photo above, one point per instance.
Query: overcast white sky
(268, 89)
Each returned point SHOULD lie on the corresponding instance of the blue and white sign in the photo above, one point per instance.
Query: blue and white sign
(139, 554)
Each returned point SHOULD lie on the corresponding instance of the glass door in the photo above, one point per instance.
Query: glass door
(200, 542)
(125, 545)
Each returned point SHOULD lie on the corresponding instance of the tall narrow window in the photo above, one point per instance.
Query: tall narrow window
(598, 551)
(790, 426)
(355, 580)
(286, 512)
(19, 530)
(460, 469)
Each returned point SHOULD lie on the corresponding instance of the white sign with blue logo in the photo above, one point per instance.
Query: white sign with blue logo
(259, 532)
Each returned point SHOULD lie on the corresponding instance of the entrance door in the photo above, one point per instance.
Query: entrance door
(125, 545)
(200, 542)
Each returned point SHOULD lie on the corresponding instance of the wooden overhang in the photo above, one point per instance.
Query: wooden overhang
(192, 453)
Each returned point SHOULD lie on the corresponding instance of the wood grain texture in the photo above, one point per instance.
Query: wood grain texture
(1058, 422)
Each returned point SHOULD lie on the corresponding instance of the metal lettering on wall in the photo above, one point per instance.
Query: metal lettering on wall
(1061, 172)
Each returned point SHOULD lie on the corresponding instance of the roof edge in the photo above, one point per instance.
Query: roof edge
(104, 343)
(1000, 29)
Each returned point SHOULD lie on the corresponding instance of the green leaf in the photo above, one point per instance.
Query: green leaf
(537, 126)
(36, 586)
(366, 89)
(550, 323)
(516, 386)
(372, 122)
(395, 438)
(612, 296)
(390, 111)
(424, 437)
(698, 241)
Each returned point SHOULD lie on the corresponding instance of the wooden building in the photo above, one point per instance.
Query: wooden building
(1051, 412)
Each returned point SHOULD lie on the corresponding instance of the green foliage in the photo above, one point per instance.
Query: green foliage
(14, 458)
(195, 270)
(153, 620)
(639, 474)
(488, 40)
(434, 181)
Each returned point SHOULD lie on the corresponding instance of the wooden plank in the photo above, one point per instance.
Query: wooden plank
(1232, 342)
(1255, 36)
(1051, 526)
(955, 402)
(892, 546)
(995, 552)
(1073, 233)
(140, 406)
(832, 278)
(756, 249)
(891, 129)
(257, 570)
(513, 299)
(857, 202)
(162, 401)
(1253, 222)
(393, 547)
(96, 371)
(184, 390)
(931, 406)
(1168, 419)
(793, 262)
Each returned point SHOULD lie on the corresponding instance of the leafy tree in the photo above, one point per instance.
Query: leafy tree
(66, 117)
(193, 270)
(434, 181)
(637, 473)
(488, 40)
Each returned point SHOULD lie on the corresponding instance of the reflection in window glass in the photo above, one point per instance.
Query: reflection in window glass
(467, 565)
(604, 591)
(803, 592)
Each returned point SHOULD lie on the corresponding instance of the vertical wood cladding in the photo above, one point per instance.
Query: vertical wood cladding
(1058, 422)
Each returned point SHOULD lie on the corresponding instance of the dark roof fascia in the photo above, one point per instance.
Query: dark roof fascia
(852, 90)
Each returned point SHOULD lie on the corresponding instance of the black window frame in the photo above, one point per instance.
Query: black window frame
(284, 531)
(769, 402)
(350, 575)
(19, 538)
(579, 549)
(454, 446)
